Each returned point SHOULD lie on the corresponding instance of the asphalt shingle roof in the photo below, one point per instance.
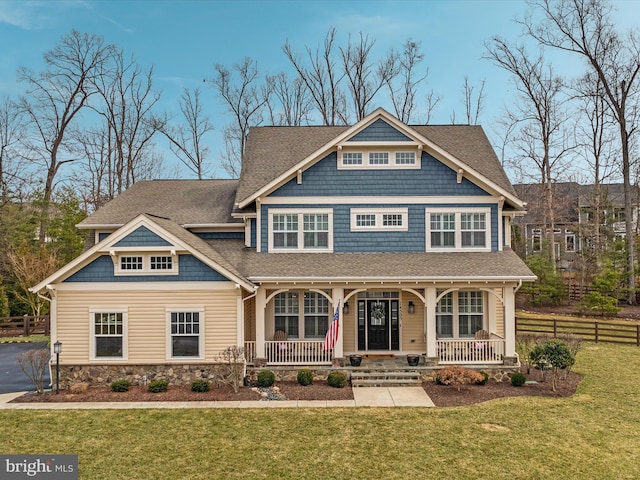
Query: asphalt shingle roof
(418, 265)
(183, 201)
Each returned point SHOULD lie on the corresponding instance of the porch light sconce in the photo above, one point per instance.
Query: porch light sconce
(412, 307)
(57, 349)
(345, 309)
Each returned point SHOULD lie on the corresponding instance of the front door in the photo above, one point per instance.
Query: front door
(378, 324)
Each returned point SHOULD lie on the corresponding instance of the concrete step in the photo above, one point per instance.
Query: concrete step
(385, 379)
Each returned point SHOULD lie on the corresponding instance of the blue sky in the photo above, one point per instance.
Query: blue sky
(184, 39)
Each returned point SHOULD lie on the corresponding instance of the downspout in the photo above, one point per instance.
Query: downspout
(51, 323)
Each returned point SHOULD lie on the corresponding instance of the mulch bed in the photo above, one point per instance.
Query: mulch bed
(442, 396)
(449, 396)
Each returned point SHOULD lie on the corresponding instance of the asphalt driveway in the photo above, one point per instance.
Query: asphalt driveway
(11, 377)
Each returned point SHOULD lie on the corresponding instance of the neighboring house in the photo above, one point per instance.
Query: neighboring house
(402, 232)
(573, 223)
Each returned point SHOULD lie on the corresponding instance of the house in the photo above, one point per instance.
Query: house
(574, 227)
(402, 233)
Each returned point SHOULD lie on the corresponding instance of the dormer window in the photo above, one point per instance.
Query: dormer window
(352, 158)
(378, 158)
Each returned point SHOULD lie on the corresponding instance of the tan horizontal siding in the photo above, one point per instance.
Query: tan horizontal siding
(147, 321)
(412, 325)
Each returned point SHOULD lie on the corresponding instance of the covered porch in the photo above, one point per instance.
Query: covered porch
(454, 323)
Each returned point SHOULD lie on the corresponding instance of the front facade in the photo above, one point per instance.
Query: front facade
(398, 234)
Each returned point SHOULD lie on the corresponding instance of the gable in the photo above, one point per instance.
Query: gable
(102, 270)
(433, 179)
(380, 131)
(143, 237)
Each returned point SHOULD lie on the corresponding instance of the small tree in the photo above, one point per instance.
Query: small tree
(548, 289)
(34, 363)
(233, 367)
(554, 353)
(604, 299)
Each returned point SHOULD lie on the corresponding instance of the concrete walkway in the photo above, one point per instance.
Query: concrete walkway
(362, 397)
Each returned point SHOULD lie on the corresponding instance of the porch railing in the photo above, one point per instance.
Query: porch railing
(249, 351)
(470, 351)
(303, 352)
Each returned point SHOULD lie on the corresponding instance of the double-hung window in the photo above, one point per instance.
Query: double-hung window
(185, 333)
(460, 314)
(302, 230)
(470, 313)
(316, 315)
(109, 334)
(443, 230)
(286, 310)
(451, 229)
(474, 229)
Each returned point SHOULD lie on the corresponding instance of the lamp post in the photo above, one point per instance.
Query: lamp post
(57, 349)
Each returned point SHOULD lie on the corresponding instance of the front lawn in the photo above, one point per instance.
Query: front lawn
(595, 434)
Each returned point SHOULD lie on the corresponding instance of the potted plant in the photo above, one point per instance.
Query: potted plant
(355, 359)
(413, 360)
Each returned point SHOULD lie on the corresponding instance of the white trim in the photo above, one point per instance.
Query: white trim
(201, 327)
(458, 211)
(381, 200)
(125, 334)
(143, 286)
(395, 280)
(379, 214)
(300, 212)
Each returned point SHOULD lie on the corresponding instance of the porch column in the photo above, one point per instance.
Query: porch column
(261, 304)
(509, 322)
(430, 319)
(337, 295)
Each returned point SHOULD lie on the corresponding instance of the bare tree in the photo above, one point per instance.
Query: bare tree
(323, 79)
(403, 97)
(291, 103)
(432, 99)
(246, 101)
(12, 171)
(187, 140)
(365, 79)
(56, 97)
(540, 138)
(586, 28)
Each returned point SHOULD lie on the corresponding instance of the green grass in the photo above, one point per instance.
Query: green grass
(593, 435)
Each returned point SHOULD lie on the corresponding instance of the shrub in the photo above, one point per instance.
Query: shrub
(200, 386)
(305, 377)
(337, 380)
(34, 364)
(157, 386)
(455, 375)
(518, 379)
(232, 368)
(485, 379)
(266, 378)
(554, 353)
(120, 386)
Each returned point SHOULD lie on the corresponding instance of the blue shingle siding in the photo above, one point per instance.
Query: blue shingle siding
(379, 131)
(254, 232)
(324, 179)
(220, 235)
(143, 237)
(190, 270)
(412, 240)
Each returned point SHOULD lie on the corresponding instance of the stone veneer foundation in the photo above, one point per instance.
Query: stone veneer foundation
(99, 375)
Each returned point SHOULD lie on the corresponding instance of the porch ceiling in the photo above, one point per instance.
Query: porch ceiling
(463, 266)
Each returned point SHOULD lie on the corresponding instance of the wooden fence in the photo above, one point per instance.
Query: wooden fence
(590, 330)
(25, 325)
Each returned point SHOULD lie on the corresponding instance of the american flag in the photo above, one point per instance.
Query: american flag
(332, 334)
